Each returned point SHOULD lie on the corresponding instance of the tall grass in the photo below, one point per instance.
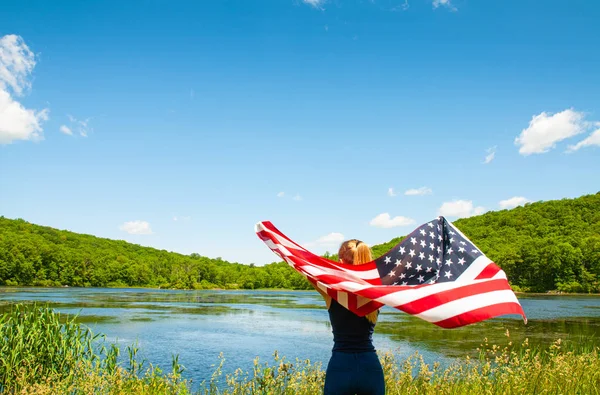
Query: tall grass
(44, 353)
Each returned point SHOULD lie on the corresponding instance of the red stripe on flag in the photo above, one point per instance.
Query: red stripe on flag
(489, 271)
(480, 314)
(368, 308)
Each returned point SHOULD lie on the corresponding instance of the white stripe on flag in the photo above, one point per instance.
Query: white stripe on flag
(323, 287)
(282, 240)
(499, 275)
(473, 270)
(365, 275)
(342, 298)
(279, 247)
(350, 286)
(361, 301)
(322, 271)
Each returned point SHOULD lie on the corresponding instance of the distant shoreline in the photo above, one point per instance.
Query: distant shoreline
(518, 293)
(551, 293)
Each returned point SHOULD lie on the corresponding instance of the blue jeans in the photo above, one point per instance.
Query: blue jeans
(354, 373)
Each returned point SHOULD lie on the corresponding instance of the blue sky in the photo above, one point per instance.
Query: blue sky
(179, 125)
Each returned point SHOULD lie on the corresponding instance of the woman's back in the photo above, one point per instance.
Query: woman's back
(351, 333)
(354, 367)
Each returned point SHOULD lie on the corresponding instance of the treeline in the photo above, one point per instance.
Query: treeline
(42, 256)
(543, 246)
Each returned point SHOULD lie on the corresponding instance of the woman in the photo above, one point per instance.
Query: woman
(354, 367)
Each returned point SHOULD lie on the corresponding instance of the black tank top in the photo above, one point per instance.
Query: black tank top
(351, 333)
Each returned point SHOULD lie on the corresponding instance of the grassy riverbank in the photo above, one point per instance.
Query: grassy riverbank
(43, 352)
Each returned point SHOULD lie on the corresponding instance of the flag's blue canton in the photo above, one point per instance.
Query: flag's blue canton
(434, 253)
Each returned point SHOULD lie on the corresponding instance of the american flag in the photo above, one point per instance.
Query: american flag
(436, 273)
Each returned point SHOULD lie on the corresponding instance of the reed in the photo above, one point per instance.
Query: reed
(42, 352)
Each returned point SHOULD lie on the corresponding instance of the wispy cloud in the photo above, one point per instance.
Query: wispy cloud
(513, 202)
(384, 220)
(66, 130)
(314, 3)
(592, 139)
(546, 129)
(418, 191)
(16, 64)
(182, 218)
(136, 228)
(391, 192)
(491, 154)
(460, 208)
(401, 7)
(296, 197)
(82, 127)
(444, 3)
(333, 239)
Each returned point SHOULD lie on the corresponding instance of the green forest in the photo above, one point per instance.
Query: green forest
(543, 246)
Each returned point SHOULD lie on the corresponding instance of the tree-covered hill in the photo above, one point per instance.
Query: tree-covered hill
(39, 255)
(543, 246)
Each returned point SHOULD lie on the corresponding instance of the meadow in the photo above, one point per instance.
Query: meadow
(45, 352)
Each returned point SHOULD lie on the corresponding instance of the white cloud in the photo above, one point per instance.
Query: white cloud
(385, 221)
(297, 198)
(314, 3)
(592, 139)
(82, 126)
(491, 154)
(281, 194)
(66, 130)
(136, 228)
(182, 218)
(402, 7)
(545, 130)
(513, 202)
(460, 208)
(391, 192)
(419, 191)
(333, 239)
(445, 3)
(16, 64)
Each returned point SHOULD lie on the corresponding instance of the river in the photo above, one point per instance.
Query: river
(243, 325)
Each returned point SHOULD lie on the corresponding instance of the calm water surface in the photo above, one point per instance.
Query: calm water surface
(243, 325)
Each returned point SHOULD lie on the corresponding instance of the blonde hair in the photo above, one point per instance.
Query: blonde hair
(355, 252)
